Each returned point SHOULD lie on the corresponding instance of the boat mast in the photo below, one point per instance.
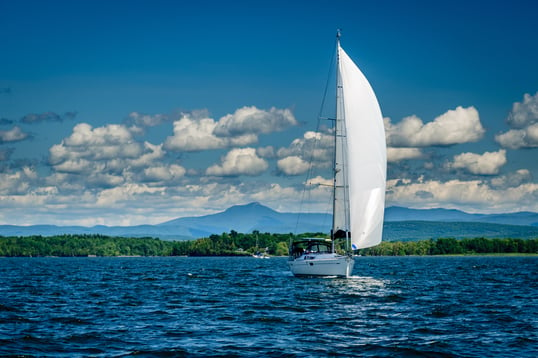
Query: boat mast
(341, 221)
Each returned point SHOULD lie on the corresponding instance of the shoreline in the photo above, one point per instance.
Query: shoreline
(493, 254)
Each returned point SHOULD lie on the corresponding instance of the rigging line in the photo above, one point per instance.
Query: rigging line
(310, 170)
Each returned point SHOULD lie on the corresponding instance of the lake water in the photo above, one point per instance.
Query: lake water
(392, 306)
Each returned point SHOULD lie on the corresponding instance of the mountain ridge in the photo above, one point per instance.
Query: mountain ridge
(400, 224)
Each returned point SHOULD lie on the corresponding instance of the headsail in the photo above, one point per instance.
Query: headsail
(364, 156)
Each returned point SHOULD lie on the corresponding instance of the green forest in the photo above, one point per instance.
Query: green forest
(238, 244)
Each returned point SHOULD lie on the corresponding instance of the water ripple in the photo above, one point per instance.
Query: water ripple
(117, 307)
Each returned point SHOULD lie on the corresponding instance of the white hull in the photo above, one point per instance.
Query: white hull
(322, 265)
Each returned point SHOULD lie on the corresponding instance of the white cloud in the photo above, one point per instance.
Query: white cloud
(488, 163)
(196, 134)
(77, 165)
(85, 135)
(275, 193)
(108, 156)
(398, 154)
(524, 113)
(472, 196)
(292, 165)
(321, 181)
(126, 192)
(86, 145)
(239, 161)
(519, 138)
(18, 182)
(196, 131)
(164, 173)
(457, 126)
(314, 147)
(251, 120)
(288, 198)
(13, 135)
(512, 179)
(523, 121)
(266, 152)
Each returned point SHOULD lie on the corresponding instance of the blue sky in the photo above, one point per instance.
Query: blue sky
(123, 113)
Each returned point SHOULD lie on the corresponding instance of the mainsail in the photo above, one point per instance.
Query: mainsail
(359, 179)
(360, 161)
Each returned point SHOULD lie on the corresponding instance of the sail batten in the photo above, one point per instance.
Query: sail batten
(364, 155)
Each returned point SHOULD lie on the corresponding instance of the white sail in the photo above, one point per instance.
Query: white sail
(360, 166)
(364, 156)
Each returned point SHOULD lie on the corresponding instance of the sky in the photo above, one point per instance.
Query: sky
(139, 112)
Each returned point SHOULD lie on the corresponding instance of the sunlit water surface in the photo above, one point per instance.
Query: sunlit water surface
(400, 306)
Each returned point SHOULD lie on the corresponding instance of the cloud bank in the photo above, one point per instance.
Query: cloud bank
(111, 174)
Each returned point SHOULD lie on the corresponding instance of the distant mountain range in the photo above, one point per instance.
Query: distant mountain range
(400, 224)
(396, 213)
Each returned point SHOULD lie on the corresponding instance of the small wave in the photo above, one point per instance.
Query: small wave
(376, 350)
(174, 352)
(428, 331)
(440, 312)
(71, 320)
(5, 308)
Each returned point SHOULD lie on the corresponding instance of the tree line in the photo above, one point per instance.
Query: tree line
(226, 244)
(236, 244)
(451, 246)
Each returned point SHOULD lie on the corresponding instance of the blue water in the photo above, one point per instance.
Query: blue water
(393, 306)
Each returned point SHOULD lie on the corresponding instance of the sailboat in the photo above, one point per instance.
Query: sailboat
(258, 254)
(360, 170)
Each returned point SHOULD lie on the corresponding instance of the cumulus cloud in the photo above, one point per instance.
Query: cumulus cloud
(524, 113)
(13, 135)
(18, 182)
(47, 116)
(124, 192)
(292, 165)
(196, 131)
(512, 180)
(108, 156)
(523, 119)
(519, 138)
(239, 161)
(86, 145)
(488, 163)
(314, 147)
(321, 181)
(251, 120)
(196, 134)
(473, 196)
(457, 126)
(398, 154)
(164, 173)
(275, 193)
(266, 152)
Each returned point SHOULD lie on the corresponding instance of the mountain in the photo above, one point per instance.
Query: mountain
(400, 224)
(396, 213)
(253, 216)
(425, 230)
